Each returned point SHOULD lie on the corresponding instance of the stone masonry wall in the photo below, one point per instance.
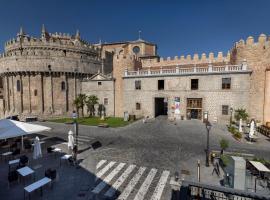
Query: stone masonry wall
(106, 90)
(257, 55)
(213, 97)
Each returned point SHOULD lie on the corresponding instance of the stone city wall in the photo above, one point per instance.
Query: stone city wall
(186, 60)
(257, 55)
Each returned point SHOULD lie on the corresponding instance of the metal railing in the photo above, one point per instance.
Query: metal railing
(196, 190)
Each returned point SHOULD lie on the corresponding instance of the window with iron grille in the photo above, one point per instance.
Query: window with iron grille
(138, 85)
(225, 109)
(106, 101)
(138, 106)
(226, 83)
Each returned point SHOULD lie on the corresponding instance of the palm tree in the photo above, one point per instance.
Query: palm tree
(241, 114)
(79, 102)
(90, 102)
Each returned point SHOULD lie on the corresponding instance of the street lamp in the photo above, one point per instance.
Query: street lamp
(208, 127)
(231, 111)
(75, 122)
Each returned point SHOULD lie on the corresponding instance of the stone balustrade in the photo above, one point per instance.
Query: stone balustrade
(188, 70)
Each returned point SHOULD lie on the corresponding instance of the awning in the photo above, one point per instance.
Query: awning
(259, 166)
(10, 128)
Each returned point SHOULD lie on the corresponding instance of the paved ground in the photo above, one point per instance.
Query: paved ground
(142, 156)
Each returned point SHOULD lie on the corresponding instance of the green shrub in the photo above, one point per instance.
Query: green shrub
(224, 144)
(232, 129)
(225, 159)
(237, 135)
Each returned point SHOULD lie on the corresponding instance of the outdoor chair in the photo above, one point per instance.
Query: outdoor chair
(13, 146)
(51, 173)
(16, 152)
(23, 161)
(50, 149)
(12, 177)
(27, 145)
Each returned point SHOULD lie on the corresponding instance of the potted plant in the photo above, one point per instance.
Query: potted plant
(224, 144)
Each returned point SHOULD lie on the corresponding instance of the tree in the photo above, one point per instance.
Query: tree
(90, 102)
(224, 144)
(241, 114)
(79, 102)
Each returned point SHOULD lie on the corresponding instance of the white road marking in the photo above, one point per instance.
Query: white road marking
(100, 163)
(103, 183)
(131, 184)
(160, 186)
(106, 168)
(120, 181)
(143, 189)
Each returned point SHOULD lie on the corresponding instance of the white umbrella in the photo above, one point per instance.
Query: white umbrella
(252, 129)
(240, 126)
(70, 140)
(37, 149)
(11, 128)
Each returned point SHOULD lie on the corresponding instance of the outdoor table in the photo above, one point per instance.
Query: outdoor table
(36, 185)
(25, 171)
(57, 150)
(6, 154)
(65, 157)
(13, 162)
(261, 168)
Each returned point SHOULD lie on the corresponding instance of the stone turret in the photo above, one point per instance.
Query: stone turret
(257, 55)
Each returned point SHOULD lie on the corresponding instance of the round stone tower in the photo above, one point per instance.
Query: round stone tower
(257, 55)
(41, 76)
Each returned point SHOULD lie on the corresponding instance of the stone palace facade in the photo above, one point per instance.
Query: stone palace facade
(42, 76)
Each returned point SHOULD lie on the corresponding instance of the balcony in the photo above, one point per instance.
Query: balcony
(178, 70)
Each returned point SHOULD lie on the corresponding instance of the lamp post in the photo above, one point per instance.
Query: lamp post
(208, 127)
(231, 111)
(75, 122)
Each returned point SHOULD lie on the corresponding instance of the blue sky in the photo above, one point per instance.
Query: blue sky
(177, 27)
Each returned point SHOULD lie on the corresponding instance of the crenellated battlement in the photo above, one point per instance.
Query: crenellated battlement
(186, 60)
(53, 41)
(261, 41)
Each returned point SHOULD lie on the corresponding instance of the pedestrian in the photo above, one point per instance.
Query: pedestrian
(217, 166)
(74, 155)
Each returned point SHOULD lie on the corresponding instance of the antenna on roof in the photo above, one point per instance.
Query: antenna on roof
(140, 34)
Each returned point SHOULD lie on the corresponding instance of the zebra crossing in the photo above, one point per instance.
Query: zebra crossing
(84, 139)
(122, 181)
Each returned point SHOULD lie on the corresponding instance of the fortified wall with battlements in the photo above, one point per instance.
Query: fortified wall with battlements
(42, 76)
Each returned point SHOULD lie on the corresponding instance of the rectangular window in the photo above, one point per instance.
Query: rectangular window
(160, 84)
(106, 101)
(194, 84)
(138, 106)
(138, 85)
(226, 83)
(99, 83)
(225, 110)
